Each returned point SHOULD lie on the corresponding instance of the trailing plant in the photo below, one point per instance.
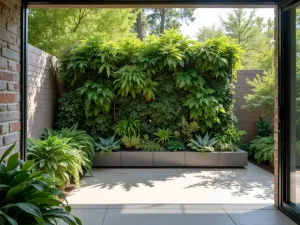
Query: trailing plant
(187, 129)
(70, 110)
(263, 149)
(264, 128)
(97, 97)
(147, 145)
(163, 135)
(132, 142)
(27, 197)
(107, 145)
(128, 127)
(175, 145)
(58, 158)
(204, 144)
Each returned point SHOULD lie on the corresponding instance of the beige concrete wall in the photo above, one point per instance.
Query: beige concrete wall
(42, 91)
(10, 59)
(247, 118)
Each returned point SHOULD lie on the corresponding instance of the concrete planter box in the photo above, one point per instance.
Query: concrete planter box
(171, 159)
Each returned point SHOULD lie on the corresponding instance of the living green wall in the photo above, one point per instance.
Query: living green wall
(157, 81)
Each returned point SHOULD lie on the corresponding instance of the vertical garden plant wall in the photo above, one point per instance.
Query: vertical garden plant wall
(156, 82)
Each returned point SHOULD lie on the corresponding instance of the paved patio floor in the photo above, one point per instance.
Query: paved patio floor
(177, 197)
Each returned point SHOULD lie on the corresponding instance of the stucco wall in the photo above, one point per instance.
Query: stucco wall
(247, 118)
(42, 91)
(10, 58)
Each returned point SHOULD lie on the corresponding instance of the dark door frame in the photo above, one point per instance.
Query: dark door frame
(283, 62)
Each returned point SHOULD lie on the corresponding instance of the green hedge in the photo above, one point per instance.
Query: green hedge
(157, 81)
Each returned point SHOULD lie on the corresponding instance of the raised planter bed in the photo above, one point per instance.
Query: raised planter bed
(171, 159)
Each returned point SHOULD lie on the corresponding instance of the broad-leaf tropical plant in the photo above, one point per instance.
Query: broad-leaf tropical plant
(27, 197)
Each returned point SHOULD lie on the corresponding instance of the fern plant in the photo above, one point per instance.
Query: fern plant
(107, 145)
(264, 128)
(263, 149)
(98, 98)
(128, 127)
(163, 135)
(56, 157)
(133, 80)
(204, 144)
(27, 197)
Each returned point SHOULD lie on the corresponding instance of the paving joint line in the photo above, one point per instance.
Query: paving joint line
(105, 215)
(228, 215)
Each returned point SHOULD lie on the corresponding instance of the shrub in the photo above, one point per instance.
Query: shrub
(70, 110)
(225, 147)
(231, 136)
(187, 129)
(264, 128)
(132, 142)
(148, 145)
(163, 135)
(107, 145)
(263, 149)
(56, 157)
(175, 145)
(204, 144)
(128, 127)
(26, 196)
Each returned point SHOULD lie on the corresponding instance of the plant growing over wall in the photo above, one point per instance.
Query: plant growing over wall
(27, 197)
(98, 98)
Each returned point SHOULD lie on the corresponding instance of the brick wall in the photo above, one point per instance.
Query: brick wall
(42, 91)
(10, 57)
(247, 118)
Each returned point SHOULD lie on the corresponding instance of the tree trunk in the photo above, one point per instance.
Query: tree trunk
(162, 20)
(139, 26)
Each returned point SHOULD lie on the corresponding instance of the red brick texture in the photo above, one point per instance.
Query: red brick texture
(10, 59)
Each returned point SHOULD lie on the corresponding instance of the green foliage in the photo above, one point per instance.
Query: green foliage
(65, 28)
(147, 145)
(128, 127)
(205, 108)
(262, 96)
(27, 197)
(132, 142)
(175, 145)
(204, 144)
(206, 32)
(77, 139)
(58, 158)
(225, 147)
(263, 149)
(163, 135)
(264, 128)
(185, 77)
(70, 110)
(132, 80)
(98, 98)
(107, 145)
(230, 135)
(187, 129)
